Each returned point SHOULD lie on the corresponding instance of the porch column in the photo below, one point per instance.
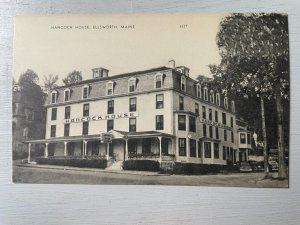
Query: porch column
(29, 149)
(126, 149)
(65, 151)
(160, 157)
(107, 151)
(85, 147)
(46, 150)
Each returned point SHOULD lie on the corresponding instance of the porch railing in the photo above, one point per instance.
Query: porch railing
(165, 157)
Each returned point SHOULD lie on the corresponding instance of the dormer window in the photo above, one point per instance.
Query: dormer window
(232, 106)
(198, 90)
(205, 94)
(183, 83)
(212, 97)
(218, 99)
(158, 80)
(53, 97)
(67, 94)
(131, 84)
(85, 91)
(226, 103)
(110, 88)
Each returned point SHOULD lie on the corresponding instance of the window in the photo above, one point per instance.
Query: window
(53, 97)
(132, 104)
(231, 121)
(25, 132)
(67, 130)
(197, 108)
(242, 138)
(183, 83)
(224, 153)
(218, 99)
(132, 124)
(210, 114)
(54, 114)
(53, 131)
(181, 122)
(225, 135)
(216, 116)
(110, 125)
(181, 103)
(110, 88)
(248, 139)
(205, 94)
(158, 80)
(199, 149)
(198, 90)
(212, 97)
(110, 107)
(86, 109)
(131, 84)
(204, 130)
(203, 112)
(182, 146)
(216, 151)
(232, 106)
(85, 91)
(217, 133)
(226, 103)
(207, 149)
(67, 95)
(192, 148)
(232, 137)
(160, 101)
(85, 128)
(192, 124)
(210, 131)
(159, 122)
(224, 118)
(67, 112)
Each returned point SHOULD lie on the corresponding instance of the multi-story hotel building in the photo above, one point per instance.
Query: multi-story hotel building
(159, 113)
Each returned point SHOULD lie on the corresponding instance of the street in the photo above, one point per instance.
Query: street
(60, 176)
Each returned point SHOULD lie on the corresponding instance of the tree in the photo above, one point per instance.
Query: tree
(50, 82)
(73, 77)
(254, 52)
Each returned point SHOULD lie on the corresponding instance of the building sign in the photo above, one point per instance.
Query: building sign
(215, 124)
(101, 117)
(106, 138)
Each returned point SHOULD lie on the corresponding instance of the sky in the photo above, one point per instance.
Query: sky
(189, 39)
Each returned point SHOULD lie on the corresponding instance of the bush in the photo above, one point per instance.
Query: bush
(191, 168)
(76, 162)
(141, 165)
(19, 155)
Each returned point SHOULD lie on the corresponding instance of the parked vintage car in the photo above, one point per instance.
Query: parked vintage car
(257, 166)
(273, 165)
(245, 167)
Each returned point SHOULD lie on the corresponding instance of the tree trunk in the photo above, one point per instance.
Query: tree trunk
(282, 170)
(264, 133)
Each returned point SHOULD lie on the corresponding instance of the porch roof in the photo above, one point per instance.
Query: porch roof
(116, 133)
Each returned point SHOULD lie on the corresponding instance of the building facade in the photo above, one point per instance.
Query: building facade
(160, 114)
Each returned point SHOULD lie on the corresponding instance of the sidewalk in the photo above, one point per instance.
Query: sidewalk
(144, 173)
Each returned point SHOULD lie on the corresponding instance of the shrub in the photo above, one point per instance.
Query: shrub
(141, 165)
(19, 155)
(76, 162)
(191, 168)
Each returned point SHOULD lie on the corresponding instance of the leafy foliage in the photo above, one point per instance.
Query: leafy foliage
(73, 77)
(50, 82)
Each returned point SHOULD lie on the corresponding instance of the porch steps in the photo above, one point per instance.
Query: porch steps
(115, 166)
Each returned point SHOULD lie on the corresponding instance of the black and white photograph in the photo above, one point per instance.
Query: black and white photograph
(168, 99)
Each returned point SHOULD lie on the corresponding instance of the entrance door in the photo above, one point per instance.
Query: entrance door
(132, 147)
(164, 146)
(146, 145)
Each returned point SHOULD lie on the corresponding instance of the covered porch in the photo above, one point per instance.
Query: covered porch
(150, 145)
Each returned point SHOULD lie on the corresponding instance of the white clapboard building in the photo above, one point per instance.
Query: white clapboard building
(159, 113)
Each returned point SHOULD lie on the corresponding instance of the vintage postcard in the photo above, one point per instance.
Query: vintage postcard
(178, 99)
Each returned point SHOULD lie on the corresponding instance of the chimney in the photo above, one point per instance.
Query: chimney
(100, 72)
(171, 63)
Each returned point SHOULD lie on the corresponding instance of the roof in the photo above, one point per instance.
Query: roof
(115, 76)
(97, 136)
